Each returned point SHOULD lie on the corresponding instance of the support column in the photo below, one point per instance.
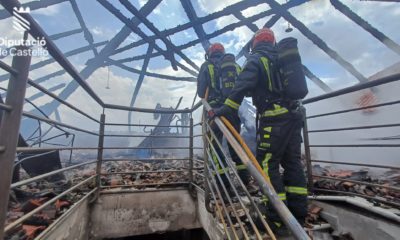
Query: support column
(9, 128)
(191, 151)
(207, 191)
(100, 154)
(307, 154)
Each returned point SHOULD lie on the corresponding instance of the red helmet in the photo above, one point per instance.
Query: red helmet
(263, 35)
(215, 47)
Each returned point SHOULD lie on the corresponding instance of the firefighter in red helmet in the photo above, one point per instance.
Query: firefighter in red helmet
(214, 82)
(207, 76)
(279, 126)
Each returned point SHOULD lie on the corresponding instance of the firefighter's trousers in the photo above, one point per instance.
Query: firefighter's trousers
(279, 144)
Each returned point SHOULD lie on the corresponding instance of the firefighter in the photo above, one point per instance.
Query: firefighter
(279, 126)
(209, 82)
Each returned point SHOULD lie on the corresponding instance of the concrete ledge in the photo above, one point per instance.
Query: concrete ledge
(73, 225)
(129, 214)
(360, 223)
(208, 222)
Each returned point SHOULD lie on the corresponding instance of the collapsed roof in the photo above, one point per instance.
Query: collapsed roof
(133, 53)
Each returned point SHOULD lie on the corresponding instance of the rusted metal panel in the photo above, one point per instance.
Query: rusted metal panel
(130, 214)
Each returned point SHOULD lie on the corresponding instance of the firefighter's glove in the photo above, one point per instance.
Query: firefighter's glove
(225, 111)
(211, 114)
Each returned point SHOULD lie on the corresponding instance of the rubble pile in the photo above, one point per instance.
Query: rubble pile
(198, 171)
(137, 175)
(388, 178)
(31, 196)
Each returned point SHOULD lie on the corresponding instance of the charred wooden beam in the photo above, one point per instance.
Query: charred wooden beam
(392, 45)
(242, 5)
(150, 74)
(56, 37)
(379, 0)
(246, 48)
(170, 46)
(65, 34)
(51, 60)
(37, 32)
(191, 13)
(216, 33)
(245, 51)
(94, 63)
(40, 94)
(201, 20)
(134, 28)
(33, 5)
(294, 3)
(316, 80)
(88, 36)
(140, 80)
(316, 40)
(253, 27)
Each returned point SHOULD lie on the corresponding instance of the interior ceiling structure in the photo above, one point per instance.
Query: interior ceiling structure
(137, 40)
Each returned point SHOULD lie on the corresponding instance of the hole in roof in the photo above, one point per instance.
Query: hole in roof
(251, 11)
(184, 37)
(349, 40)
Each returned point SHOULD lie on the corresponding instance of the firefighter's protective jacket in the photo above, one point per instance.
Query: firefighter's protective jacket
(255, 79)
(207, 79)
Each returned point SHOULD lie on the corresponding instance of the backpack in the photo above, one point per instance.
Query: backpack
(291, 79)
(224, 73)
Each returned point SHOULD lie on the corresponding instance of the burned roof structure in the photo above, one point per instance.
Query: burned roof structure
(138, 41)
(137, 62)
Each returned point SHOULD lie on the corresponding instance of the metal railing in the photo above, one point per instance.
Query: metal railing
(191, 172)
(358, 147)
(9, 131)
(182, 169)
(214, 165)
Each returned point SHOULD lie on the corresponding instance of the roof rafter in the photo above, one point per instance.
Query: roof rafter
(134, 28)
(216, 33)
(34, 5)
(199, 21)
(246, 48)
(52, 60)
(170, 46)
(88, 36)
(102, 57)
(41, 94)
(94, 63)
(140, 80)
(316, 40)
(321, 84)
(57, 36)
(37, 31)
(392, 45)
(307, 72)
(198, 28)
(150, 74)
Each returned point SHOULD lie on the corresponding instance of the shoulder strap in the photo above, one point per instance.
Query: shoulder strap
(266, 65)
(212, 75)
(238, 69)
